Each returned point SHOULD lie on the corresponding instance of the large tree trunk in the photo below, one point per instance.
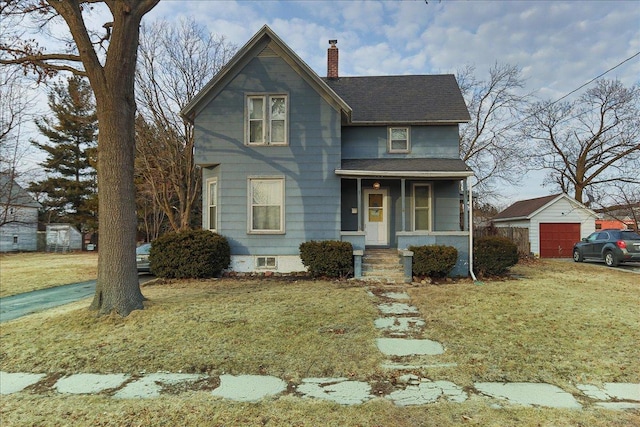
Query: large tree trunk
(117, 287)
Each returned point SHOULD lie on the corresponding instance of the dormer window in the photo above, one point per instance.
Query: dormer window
(399, 140)
(267, 120)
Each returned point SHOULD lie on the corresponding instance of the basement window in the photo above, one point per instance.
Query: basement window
(266, 262)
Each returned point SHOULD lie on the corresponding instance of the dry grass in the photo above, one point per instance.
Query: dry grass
(560, 323)
(25, 272)
(201, 409)
(290, 330)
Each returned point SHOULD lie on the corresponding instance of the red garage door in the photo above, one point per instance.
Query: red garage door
(556, 240)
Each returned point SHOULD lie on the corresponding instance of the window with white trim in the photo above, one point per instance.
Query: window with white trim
(266, 205)
(267, 118)
(212, 204)
(399, 140)
(421, 207)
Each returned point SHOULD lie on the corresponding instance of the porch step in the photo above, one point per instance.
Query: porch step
(382, 265)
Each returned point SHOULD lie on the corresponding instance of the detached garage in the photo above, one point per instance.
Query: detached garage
(555, 223)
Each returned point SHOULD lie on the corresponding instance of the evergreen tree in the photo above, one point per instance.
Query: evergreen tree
(70, 188)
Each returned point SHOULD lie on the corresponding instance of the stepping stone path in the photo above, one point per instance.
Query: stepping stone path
(402, 338)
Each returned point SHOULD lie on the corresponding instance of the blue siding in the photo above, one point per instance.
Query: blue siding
(307, 164)
(426, 141)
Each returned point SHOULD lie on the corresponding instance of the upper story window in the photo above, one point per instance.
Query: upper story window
(266, 205)
(212, 204)
(267, 117)
(399, 140)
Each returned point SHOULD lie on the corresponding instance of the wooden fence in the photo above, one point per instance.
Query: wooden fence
(519, 236)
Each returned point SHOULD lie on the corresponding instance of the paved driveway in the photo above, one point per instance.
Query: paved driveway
(632, 267)
(32, 302)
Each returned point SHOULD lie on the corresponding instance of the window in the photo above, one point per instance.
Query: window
(266, 211)
(399, 140)
(265, 262)
(267, 120)
(422, 207)
(212, 204)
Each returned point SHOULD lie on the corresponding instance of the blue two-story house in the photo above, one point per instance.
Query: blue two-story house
(288, 157)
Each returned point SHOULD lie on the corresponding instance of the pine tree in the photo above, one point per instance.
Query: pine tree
(70, 188)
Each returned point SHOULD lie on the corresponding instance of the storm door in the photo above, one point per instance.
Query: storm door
(376, 217)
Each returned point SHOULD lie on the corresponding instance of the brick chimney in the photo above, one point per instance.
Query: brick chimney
(332, 60)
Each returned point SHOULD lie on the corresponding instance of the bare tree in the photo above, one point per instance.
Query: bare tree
(588, 144)
(16, 108)
(175, 62)
(490, 143)
(106, 55)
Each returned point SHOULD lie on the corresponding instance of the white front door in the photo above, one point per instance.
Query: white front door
(376, 217)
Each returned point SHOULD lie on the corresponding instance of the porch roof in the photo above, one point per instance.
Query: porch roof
(405, 168)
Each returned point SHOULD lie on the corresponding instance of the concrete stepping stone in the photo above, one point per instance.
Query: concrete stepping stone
(400, 324)
(397, 308)
(152, 384)
(339, 390)
(428, 391)
(408, 347)
(89, 383)
(611, 391)
(249, 388)
(619, 406)
(15, 382)
(530, 394)
(396, 295)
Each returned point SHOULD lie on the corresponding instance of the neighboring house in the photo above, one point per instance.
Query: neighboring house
(622, 218)
(555, 223)
(288, 157)
(18, 217)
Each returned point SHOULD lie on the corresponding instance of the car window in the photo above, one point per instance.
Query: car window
(592, 237)
(603, 235)
(143, 250)
(629, 235)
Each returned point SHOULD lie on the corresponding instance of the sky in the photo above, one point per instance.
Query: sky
(559, 45)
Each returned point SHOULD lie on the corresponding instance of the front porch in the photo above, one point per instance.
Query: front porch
(398, 204)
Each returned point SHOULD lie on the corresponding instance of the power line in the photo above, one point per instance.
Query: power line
(596, 78)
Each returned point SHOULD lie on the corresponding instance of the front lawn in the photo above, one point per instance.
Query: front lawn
(560, 323)
(25, 272)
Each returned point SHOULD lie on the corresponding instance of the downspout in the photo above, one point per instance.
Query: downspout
(470, 204)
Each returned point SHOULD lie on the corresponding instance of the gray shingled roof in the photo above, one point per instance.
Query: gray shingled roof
(524, 208)
(400, 166)
(402, 99)
(15, 195)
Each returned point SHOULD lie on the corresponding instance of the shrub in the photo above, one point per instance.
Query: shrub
(190, 254)
(434, 260)
(493, 255)
(330, 258)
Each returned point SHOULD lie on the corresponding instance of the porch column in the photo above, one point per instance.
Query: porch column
(402, 197)
(465, 205)
(359, 180)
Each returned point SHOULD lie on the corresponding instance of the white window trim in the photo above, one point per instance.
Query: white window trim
(266, 259)
(208, 201)
(413, 205)
(250, 229)
(390, 149)
(266, 119)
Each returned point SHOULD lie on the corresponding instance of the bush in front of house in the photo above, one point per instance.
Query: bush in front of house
(190, 254)
(433, 260)
(494, 255)
(327, 258)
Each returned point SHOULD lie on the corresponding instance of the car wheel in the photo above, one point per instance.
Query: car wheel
(610, 259)
(577, 256)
